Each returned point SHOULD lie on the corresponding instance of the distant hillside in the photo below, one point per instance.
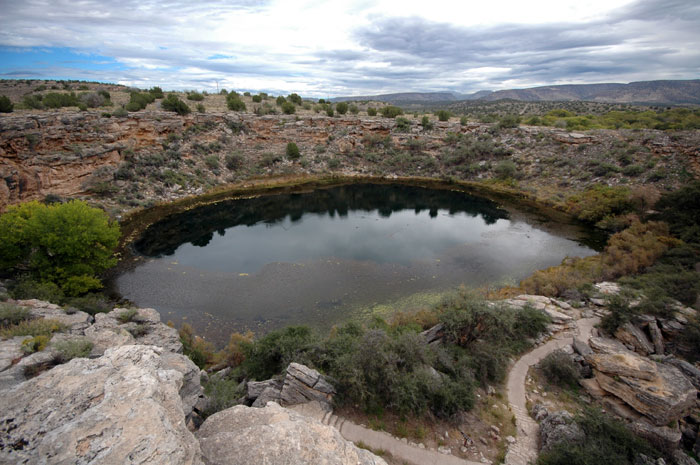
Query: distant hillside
(407, 98)
(642, 92)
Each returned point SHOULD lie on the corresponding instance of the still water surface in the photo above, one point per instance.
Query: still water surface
(316, 258)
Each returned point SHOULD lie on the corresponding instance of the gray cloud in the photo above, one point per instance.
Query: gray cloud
(165, 42)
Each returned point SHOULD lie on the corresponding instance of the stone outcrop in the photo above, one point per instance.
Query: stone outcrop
(667, 437)
(552, 307)
(559, 427)
(275, 435)
(301, 384)
(634, 337)
(624, 364)
(665, 398)
(125, 406)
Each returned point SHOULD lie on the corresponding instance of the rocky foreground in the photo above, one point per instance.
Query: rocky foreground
(134, 398)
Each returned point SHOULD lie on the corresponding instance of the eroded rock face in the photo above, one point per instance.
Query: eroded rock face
(662, 399)
(124, 407)
(635, 337)
(624, 364)
(275, 435)
(301, 384)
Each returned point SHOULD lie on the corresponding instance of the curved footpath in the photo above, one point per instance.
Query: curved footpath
(524, 449)
(521, 452)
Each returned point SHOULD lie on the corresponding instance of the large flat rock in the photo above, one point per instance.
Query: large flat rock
(124, 407)
(624, 364)
(276, 436)
(665, 398)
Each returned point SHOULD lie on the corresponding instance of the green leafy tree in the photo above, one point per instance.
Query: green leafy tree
(443, 115)
(371, 111)
(280, 100)
(68, 244)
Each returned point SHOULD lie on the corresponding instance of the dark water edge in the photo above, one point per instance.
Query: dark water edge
(325, 288)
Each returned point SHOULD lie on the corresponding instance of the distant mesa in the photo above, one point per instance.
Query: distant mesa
(669, 92)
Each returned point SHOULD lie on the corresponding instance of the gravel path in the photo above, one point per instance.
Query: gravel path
(524, 449)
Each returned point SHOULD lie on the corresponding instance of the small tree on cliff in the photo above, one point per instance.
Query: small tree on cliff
(67, 244)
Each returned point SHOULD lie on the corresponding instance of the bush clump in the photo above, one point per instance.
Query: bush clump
(234, 102)
(195, 96)
(559, 369)
(6, 106)
(443, 115)
(288, 108)
(341, 108)
(391, 111)
(371, 111)
(67, 244)
(173, 103)
(292, 151)
(73, 348)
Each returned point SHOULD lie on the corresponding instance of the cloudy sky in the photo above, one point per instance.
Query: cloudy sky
(350, 47)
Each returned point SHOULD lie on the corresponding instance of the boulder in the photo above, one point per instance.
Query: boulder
(690, 371)
(10, 352)
(604, 345)
(681, 458)
(559, 427)
(592, 388)
(303, 384)
(123, 407)
(642, 459)
(607, 288)
(667, 437)
(544, 304)
(632, 336)
(275, 435)
(619, 408)
(255, 388)
(434, 334)
(663, 399)
(624, 364)
(656, 337)
(581, 347)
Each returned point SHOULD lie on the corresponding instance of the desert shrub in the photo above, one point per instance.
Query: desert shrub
(60, 100)
(294, 98)
(127, 315)
(637, 247)
(36, 327)
(68, 244)
(222, 393)
(234, 353)
(257, 98)
(681, 210)
(93, 99)
(509, 121)
(234, 102)
(272, 353)
(559, 369)
(73, 348)
(633, 170)
(34, 344)
(27, 288)
(505, 170)
(607, 441)
(120, 113)
(139, 101)
(33, 101)
(212, 162)
(341, 108)
(288, 108)
(156, 92)
(269, 159)
(201, 108)
(195, 96)
(443, 115)
(403, 125)
(12, 314)
(353, 109)
(280, 100)
(376, 141)
(173, 103)
(570, 275)
(391, 111)
(292, 151)
(197, 349)
(91, 303)
(234, 161)
(599, 201)
(6, 105)
(371, 111)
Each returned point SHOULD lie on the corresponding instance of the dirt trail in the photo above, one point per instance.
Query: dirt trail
(524, 449)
